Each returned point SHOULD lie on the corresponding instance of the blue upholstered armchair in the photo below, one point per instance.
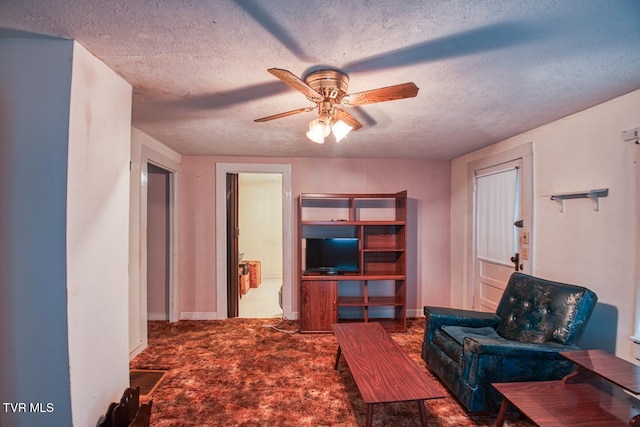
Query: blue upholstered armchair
(535, 320)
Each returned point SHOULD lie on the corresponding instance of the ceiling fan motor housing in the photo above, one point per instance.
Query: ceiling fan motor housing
(331, 84)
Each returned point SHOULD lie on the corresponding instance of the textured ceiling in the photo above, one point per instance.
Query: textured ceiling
(487, 70)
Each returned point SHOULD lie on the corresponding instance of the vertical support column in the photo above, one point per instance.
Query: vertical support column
(352, 210)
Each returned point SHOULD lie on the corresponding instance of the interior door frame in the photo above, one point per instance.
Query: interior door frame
(232, 238)
(525, 154)
(138, 245)
(222, 169)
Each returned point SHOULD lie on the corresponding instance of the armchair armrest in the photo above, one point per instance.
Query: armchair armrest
(437, 317)
(489, 360)
(502, 347)
(441, 316)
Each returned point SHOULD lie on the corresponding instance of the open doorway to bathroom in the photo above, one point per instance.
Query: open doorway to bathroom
(260, 245)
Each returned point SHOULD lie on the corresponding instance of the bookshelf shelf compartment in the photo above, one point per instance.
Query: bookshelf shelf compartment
(377, 292)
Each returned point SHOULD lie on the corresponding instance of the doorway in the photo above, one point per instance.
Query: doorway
(168, 168)
(501, 223)
(260, 244)
(497, 249)
(158, 242)
(285, 297)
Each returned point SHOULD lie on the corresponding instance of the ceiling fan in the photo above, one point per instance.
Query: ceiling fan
(328, 89)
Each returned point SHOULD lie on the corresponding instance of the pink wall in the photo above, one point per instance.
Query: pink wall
(427, 183)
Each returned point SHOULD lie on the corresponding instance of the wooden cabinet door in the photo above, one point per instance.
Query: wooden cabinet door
(318, 305)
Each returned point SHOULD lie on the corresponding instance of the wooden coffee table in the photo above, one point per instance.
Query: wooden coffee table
(382, 371)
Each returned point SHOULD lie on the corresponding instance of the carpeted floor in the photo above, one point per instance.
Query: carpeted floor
(241, 372)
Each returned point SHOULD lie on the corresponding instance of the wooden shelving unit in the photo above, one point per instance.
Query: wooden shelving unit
(377, 292)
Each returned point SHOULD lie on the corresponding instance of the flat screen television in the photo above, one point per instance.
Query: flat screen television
(332, 255)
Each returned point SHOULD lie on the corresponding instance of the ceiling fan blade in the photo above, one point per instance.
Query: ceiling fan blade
(292, 80)
(389, 93)
(281, 115)
(348, 119)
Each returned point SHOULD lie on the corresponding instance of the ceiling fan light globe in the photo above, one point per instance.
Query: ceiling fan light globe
(318, 131)
(341, 130)
(315, 137)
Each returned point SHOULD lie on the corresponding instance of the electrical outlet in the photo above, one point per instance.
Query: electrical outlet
(524, 238)
(524, 253)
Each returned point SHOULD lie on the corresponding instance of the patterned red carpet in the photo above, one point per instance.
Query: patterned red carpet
(241, 372)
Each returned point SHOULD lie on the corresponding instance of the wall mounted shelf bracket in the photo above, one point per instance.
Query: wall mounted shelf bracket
(594, 195)
(631, 135)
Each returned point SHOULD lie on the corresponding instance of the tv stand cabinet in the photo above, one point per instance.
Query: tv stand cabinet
(377, 292)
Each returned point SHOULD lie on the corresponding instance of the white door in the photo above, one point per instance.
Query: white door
(499, 230)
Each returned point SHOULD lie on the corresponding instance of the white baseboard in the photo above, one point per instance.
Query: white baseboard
(198, 315)
(136, 350)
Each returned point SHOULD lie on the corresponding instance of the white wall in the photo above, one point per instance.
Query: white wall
(596, 249)
(97, 236)
(35, 81)
(65, 150)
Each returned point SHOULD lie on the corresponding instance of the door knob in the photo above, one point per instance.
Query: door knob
(516, 260)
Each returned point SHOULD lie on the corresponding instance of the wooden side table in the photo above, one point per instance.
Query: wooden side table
(593, 395)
